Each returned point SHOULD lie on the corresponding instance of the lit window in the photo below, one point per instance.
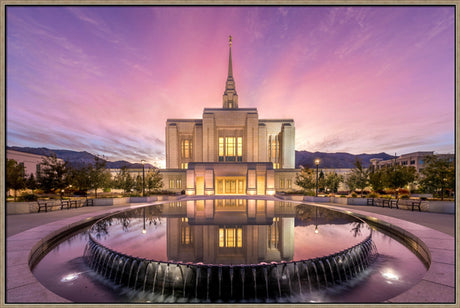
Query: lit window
(273, 150)
(230, 148)
(186, 234)
(289, 183)
(231, 237)
(240, 146)
(221, 146)
(274, 233)
(171, 183)
(186, 148)
(281, 183)
(220, 186)
(184, 165)
(178, 183)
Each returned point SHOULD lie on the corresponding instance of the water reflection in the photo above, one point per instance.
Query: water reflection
(228, 231)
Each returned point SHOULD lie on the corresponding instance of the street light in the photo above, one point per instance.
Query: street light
(317, 161)
(144, 230)
(143, 178)
(316, 221)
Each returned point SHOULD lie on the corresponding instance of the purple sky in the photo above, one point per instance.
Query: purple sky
(354, 79)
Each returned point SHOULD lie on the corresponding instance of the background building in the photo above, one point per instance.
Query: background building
(32, 163)
(415, 159)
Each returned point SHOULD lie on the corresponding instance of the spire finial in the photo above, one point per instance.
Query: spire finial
(230, 96)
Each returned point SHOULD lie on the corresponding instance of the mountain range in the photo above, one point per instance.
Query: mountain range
(302, 158)
(78, 158)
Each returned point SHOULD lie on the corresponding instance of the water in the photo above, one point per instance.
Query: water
(289, 239)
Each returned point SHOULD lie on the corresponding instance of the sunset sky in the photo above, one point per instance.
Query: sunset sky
(354, 79)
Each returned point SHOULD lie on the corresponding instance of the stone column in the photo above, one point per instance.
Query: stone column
(190, 190)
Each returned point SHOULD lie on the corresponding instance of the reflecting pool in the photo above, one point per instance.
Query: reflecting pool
(229, 250)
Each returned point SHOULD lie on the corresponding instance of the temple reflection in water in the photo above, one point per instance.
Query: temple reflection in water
(229, 231)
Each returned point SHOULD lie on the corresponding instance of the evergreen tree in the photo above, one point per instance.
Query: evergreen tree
(31, 183)
(14, 176)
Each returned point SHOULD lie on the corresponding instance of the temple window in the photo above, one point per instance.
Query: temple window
(185, 232)
(186, 148)
(274, 150)
(231, 237)
(274, 233)
(230, 148)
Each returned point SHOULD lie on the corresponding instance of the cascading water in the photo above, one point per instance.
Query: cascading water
(132, 272)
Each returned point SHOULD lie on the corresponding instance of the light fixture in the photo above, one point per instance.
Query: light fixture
(143, 178)
(317, 161)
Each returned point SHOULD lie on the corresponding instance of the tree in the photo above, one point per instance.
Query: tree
(124, 180)
(54, 174)
(398, 176)
(154, 180)
(139, 183)
(438, 175)
(14, 176)
(358, 178)
(321, 181)
(332, 181)
(78, 176)
(376, 179)
(306, 179)
(31, 183)
(99, 176)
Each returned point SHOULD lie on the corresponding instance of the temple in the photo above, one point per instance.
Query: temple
(230, 151)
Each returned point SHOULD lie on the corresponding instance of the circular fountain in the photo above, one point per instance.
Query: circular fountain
(228, 250)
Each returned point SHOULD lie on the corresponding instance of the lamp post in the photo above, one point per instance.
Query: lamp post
(144, 230)
(143, 178)
(316, 221)
(317, 161)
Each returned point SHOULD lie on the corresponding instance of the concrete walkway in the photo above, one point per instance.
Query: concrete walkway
(442, 222)
(27, 231)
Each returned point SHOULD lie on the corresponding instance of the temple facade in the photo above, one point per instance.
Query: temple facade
(230, 151)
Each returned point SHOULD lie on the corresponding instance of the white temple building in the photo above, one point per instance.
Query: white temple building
(230, 151)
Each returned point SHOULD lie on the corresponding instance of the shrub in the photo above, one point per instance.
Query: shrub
(403, 191)
(354, 195)
(404, 196)
(26, 197)
(373, 195)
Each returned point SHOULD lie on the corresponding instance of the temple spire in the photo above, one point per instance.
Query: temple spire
(230, 99)
(230, 69)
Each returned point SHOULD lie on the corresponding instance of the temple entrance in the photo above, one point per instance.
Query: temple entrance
(200, 185)
(230, 185)
(261, 185)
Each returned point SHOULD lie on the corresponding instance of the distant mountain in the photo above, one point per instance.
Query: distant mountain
(304, 158)
(335, 160)
(78, 158)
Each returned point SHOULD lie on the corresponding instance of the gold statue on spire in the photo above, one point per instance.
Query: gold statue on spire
(230, 40)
